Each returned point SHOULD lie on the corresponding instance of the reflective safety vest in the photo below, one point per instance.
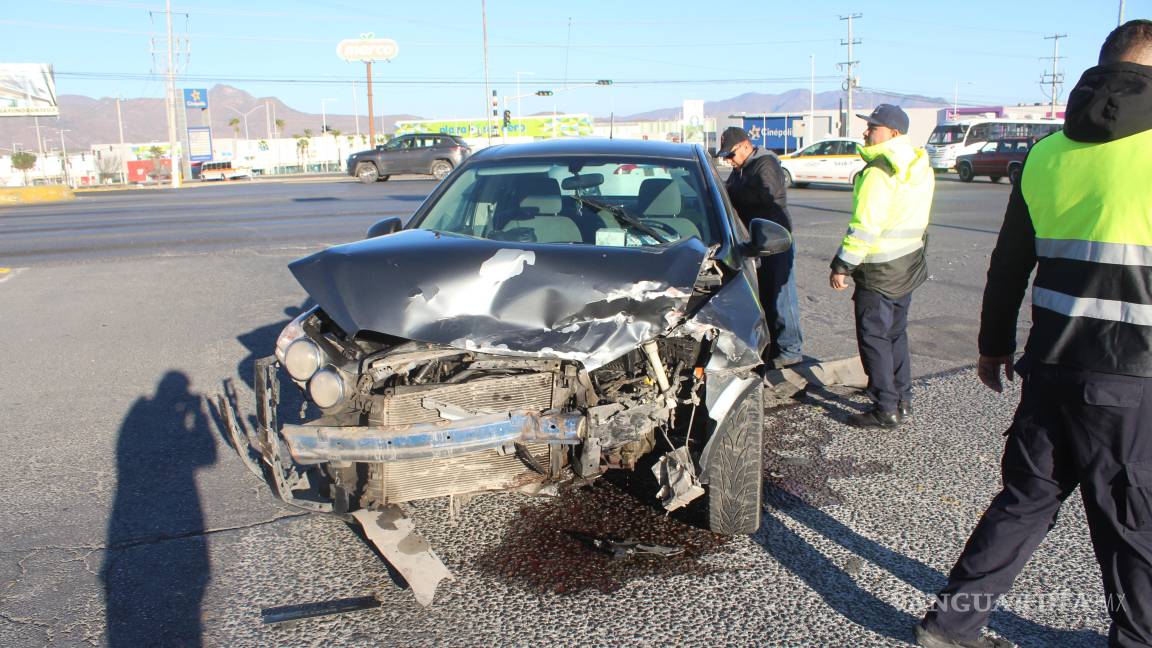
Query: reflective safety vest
(1091, 207)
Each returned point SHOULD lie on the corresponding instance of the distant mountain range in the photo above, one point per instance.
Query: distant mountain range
(793, 101)
(87, 121)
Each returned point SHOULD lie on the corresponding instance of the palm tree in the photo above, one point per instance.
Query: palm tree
(280, 127)
(235, 124)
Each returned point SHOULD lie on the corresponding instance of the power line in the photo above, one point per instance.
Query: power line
(423, 81)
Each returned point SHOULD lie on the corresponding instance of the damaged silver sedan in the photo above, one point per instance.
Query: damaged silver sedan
(551, 311)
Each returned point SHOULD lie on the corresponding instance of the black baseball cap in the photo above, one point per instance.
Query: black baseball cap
(889, 116)
(731, 136)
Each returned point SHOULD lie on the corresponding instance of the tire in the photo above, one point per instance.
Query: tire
(383, 178)
(367, 173)
(994, 179)
(1014, 174)
(964, 170)
(440, 169)
(788, 178)
(736, 467)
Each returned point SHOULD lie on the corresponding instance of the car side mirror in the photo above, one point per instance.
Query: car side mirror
(389, 225)
(768, 238)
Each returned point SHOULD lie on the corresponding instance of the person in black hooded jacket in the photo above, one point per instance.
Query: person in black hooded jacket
(1082, 216)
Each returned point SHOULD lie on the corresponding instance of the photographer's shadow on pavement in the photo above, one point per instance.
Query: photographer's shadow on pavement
(840, 591)
(156, 566)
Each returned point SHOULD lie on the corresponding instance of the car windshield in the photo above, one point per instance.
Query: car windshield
(615, 202)
(947, 135)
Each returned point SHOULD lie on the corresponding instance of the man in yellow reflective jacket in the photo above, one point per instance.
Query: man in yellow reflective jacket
(1081, 216)
(883, 252)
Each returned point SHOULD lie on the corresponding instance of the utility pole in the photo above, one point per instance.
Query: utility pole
(173, 157)
(484, 28)
(1055, 78)
(123, 157)
(811, 100)
(850, 80)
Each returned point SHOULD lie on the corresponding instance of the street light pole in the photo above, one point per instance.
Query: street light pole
(324, 115)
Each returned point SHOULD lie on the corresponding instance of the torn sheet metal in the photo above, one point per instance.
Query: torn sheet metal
(395, 536)
(585, 303)
(734, 314)
(677, 477)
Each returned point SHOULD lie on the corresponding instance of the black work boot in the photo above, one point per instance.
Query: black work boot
(903, 410)
(930, 639)
(873, 418)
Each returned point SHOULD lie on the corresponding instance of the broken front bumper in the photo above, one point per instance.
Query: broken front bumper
(282, 455)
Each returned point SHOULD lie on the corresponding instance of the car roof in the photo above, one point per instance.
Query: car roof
(589, 146)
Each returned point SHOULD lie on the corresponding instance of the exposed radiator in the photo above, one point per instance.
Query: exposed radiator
(528, 391)
(404, 481)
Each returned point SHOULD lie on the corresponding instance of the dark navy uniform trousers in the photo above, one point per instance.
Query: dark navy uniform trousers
(1072, 428)
(882, 336)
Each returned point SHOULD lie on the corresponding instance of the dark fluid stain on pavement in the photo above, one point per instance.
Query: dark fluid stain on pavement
(538, 553)
(796, 460)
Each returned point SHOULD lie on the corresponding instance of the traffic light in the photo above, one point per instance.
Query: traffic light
(543, 93)
(507, 118)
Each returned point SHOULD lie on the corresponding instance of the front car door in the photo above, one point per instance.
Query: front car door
(396, 154)
(984, 163)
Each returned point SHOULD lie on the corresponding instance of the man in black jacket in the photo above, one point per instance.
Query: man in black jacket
(756, 189)
(1080, 215)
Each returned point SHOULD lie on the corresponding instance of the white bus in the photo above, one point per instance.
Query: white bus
(962, 137)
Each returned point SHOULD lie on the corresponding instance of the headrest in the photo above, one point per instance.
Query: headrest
(659, 197)
(542, 204)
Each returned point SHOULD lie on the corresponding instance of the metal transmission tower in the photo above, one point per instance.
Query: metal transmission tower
(1055, 79)
(850, 81)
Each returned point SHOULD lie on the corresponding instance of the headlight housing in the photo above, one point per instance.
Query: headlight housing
(326, 387)
(303, 358)
(291, 333)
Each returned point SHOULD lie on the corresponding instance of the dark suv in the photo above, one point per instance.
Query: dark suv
(995, 159)
(432, 153)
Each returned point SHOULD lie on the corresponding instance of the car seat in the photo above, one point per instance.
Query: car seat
(659, 200)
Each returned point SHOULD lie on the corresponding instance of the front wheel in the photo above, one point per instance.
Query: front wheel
(441, 168)
(994, 179)
(964, 170)
(367, 172)
(736, 467)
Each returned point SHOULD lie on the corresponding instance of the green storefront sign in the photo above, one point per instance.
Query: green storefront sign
(535, 126)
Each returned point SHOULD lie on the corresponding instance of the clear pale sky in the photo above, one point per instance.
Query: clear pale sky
(657, 53)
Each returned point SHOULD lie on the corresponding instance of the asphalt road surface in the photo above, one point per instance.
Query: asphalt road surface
(128, 521)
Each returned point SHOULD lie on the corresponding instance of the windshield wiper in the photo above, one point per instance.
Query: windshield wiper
(623, 215)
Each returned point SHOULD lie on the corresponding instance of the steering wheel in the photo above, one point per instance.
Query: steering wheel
(660, 225)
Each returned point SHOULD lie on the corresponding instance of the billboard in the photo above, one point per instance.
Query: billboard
(27, 90)
(534, 126)
(196, 98)
(776, 133)
(199, 143)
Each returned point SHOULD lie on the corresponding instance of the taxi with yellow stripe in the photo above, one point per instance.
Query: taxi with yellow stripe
(833, 161)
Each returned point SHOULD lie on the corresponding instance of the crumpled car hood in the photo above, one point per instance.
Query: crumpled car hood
(584, 303)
